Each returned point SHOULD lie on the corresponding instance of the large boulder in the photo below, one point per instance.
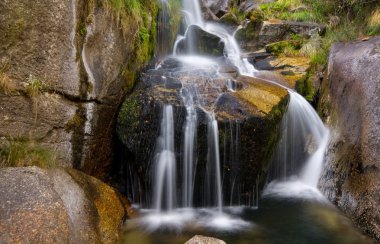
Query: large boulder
(248, 121)
(351, 178)
(256, 35)
(63, 76)
(201, 42)
(278, 30)
(57, 206)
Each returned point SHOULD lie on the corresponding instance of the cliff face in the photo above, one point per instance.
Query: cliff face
(65, 66)
(351, 178)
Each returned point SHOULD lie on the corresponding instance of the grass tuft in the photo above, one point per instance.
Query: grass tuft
(21, 152)
(7, 86)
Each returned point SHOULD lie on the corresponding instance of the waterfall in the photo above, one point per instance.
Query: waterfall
(213, 177)
(190, 132)
(163, 30)
(299, 153)
(304, 140)
(165, 164)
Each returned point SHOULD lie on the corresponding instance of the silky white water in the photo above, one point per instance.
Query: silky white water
(299, 154)
(165, 164)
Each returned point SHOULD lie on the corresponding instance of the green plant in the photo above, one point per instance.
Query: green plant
(20, 152)
(34, 86)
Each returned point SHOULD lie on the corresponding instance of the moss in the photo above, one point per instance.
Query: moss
(21, 152)
(129, 115)
(229, 19)
(110, 211)
(286, 47)
(262, 95)
(76, 122)
(305, 86)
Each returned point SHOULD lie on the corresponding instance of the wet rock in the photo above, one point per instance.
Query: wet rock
(57, 206)
(198, 239)
(350, 101)
(204, 43)
(252, 113)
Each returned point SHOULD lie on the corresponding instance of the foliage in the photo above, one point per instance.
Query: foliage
(21, 152)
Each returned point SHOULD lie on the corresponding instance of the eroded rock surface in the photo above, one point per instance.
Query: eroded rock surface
(65, 67)
(351, 99)
(57, 206)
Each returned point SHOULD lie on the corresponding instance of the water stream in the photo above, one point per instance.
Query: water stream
(297, 163)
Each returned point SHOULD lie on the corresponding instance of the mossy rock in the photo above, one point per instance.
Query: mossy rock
(256, 109)
(229, 19)
(58, 206)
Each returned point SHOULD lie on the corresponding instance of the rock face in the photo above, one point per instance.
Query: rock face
(248, 120)
(66, 73)
(351, 97)
(57, 206)
(253, 36)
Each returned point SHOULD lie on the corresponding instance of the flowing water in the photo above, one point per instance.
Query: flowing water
(290, 209)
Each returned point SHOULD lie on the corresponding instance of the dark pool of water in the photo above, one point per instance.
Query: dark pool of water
(277, 220)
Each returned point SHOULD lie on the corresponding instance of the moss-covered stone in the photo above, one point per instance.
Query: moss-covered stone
(229, 19)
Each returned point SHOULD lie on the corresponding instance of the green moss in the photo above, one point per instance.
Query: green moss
(20, 152)
(282, 46)
(129, 115)
(76, 122)
(305, 86)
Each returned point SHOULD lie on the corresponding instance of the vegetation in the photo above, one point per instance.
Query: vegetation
(7, 86)
(34, 87)
(21, 152)
(346, 20)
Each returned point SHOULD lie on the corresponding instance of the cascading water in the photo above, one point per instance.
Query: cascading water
(163, 31)
(298, 159)
(190, 131)
(302, 129)
(165, 164)
(297, 164)
(213, 177)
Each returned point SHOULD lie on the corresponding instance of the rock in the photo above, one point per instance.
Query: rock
(40, 118)
(218, 7)
(351, 178)
(83, 63)
(278, 30)
(253, 113)
(60, 206)
(198, 239)
(207, 13)
(204, 42)
(230, 19)
(284, 70)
